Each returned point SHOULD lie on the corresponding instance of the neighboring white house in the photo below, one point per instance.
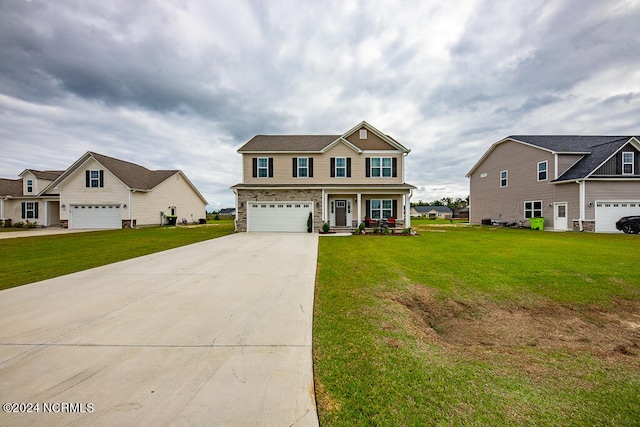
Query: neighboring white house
(443, 212)
(100, 192)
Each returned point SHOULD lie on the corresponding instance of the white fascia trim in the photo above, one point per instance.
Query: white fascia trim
(345, 142)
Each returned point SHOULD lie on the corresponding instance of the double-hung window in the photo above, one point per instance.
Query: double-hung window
(303, 167)
(94, 178)
(263, 167)
(30, 210)
(533, 209)
(504, 178)
(542, 171)
(341, 167)
(381, 167)
(381, 209)
(29, 186)
(627, 163)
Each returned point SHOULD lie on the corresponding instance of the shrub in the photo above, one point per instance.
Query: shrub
(326, 227)
(18, 224)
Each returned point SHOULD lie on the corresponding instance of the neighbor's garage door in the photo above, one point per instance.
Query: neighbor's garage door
(95, 216)
(278, 216)
(607, 213)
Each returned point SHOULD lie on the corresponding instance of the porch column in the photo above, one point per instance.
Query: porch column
(325, 202)
(359, 212)
(407, 210)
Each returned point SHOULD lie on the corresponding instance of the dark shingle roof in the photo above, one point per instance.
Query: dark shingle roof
(10, 187)
(288, 143)
(425, 209)
(134, 176)
(568, 143)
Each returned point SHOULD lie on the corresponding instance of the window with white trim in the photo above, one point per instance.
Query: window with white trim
(303, 167)
(29, 186)
(627, 162)
(30, 210)
(94, 179)
(504, 178)
(381, 167)
(341, 167)
(533, 209)
(381, 208)
(263, 167)
(542, 170)
(363, 134)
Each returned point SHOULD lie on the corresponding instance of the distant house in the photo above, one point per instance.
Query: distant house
(100, 192)
(443, 212)
(227, 213)
(574, 182)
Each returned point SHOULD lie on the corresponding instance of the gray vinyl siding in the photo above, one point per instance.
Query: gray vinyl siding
(489, 200)
(565, 161)
(599, 191)
(613, 166)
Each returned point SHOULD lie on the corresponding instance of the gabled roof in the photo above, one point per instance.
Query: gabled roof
(310, 143)
(10, 187)
(595, 149)
(48, 175)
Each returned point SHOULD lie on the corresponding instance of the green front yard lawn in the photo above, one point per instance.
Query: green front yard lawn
(467, 325)
(33, 258)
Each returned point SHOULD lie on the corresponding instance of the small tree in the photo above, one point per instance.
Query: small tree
(310, 223)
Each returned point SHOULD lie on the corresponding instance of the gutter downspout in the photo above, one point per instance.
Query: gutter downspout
(582, 197)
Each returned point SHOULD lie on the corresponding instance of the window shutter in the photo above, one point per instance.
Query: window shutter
(35, 213)
(101, 178)
(333, 167)
(87, 178)
(368, 209)
(310, 167)
(394, 167)
(368, 168)
(294, 173)
(24, 209)
(348, 167)
(394, 212)
(270, 167)
(254, 167)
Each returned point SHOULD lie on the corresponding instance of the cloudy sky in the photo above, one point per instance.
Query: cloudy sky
(183, 84)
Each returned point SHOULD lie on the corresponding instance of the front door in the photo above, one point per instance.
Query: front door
(341, 213)
(560, 216)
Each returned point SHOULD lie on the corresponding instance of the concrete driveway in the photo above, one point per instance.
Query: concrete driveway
(215, 333)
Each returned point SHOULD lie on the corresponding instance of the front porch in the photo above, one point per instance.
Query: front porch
(345, 210)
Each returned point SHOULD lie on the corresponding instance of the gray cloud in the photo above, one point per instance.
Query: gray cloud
(184, 84)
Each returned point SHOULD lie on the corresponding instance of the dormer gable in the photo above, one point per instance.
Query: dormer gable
(367, 138)
(34, 182)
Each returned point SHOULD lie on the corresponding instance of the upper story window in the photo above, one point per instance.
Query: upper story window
(381, 167)
(29, 186)
(627, 162)
(302, 167)
(262, 167)
(341, 167)
(504, 178)
(542, 171)
(94, 178)
(363, 134)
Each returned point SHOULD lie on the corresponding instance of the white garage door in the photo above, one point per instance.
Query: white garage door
(95, 216)
(607, 213)
(278, 216)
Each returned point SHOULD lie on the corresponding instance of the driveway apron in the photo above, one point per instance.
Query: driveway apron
(214, 333)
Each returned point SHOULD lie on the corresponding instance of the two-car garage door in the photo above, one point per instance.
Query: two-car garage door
(278, 216)
(95, 216)
(608, 212)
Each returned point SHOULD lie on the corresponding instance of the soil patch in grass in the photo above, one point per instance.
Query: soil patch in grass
(475, 326)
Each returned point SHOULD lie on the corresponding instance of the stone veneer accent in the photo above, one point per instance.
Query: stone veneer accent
(586, 225)
(244, 196)
(126, 223)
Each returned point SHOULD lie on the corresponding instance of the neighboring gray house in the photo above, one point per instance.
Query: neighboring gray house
(443, 212)
(574, 182)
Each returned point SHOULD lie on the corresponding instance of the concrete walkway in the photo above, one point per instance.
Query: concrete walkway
(215, 333)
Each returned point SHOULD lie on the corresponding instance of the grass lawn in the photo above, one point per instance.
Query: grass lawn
(30, 259)
(467, 325)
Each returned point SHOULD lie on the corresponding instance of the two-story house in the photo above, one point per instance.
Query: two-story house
(584, 183)
(339, 179)
(31, 198)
